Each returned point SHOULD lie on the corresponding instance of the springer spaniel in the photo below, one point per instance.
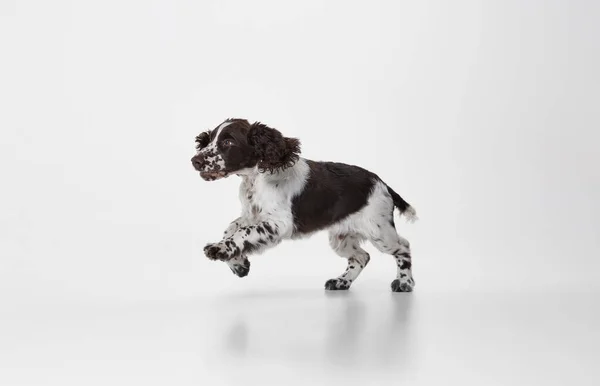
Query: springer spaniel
(285, 196)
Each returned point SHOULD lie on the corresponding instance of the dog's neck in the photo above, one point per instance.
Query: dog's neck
(247, 172)
(249, 175)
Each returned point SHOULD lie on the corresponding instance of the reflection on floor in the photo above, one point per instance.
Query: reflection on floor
(309, 336)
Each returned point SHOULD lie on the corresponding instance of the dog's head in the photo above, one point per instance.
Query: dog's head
(236, 145)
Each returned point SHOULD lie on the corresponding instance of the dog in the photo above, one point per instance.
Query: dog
(285, 196)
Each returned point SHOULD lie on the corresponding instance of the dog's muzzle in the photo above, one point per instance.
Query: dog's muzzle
(200, 164)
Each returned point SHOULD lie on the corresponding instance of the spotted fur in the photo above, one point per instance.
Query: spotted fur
(285, 196)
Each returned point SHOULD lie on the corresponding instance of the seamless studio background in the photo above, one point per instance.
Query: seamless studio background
(482, 114)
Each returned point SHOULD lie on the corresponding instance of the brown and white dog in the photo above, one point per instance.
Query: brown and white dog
(285, 196)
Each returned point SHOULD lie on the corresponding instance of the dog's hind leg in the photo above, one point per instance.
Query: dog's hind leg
(387, 240)
(347, 246)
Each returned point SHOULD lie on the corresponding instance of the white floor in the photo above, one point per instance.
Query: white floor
(291, 334)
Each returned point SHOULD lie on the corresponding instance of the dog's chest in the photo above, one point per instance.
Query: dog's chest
(258, 198)
(249, 198)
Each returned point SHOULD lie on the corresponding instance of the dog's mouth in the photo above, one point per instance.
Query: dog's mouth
(211, 176)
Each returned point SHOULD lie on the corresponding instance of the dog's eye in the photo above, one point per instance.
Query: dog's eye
(227, 142)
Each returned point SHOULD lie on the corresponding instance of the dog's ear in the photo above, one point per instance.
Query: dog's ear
(202, 140)
(273, 150)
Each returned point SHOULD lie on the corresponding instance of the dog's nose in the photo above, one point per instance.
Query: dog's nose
(198, 162)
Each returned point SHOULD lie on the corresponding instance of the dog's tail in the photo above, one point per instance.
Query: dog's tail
(404, 207)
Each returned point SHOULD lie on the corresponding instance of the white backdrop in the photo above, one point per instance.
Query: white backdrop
(483, 115)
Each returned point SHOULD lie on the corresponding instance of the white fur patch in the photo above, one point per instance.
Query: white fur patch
(411, 214)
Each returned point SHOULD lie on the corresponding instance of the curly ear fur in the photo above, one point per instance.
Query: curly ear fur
(274, 151)
(202, 140)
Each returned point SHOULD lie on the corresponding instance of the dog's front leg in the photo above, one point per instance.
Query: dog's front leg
(247, 239)
(234, 226)
(240, 265)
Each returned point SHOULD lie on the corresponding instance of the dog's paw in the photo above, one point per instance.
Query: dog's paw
(216, 251)
(402, 286)
(240, 269)
(337, 284)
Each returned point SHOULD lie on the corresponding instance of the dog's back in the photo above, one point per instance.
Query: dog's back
(332, 191)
